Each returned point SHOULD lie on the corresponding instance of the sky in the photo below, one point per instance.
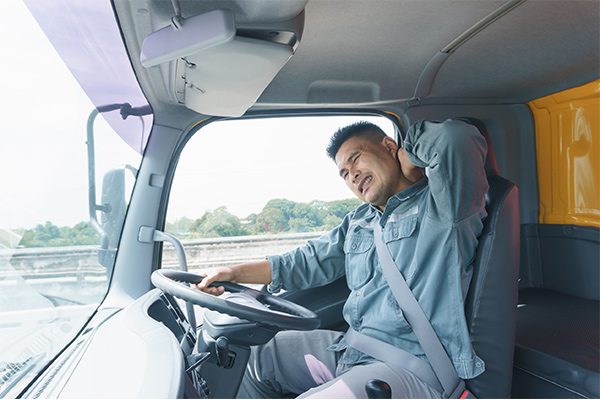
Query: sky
(243, 164)
(43, 159)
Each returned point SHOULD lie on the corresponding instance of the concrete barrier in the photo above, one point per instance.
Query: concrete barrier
(82, 261)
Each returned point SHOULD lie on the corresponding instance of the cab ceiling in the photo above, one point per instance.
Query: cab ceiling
(369, 52)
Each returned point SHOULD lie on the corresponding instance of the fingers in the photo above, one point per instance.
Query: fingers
(215, 291)
(402, 154)
(403, 160)
(213, 275)
(409, 170)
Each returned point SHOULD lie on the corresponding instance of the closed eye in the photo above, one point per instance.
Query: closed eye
(351, 160)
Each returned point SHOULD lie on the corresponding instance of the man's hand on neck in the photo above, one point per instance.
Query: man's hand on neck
(409, 170)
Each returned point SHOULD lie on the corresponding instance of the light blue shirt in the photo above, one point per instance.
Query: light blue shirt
(431, 229)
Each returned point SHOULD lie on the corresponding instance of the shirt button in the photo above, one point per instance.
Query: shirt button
(354, 246)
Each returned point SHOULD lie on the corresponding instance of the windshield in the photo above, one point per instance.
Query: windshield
(66, 176)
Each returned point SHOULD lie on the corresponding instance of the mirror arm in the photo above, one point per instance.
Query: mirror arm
(92, 173)
(125, 110)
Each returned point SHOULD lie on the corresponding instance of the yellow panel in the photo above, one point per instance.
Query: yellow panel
(567, 128)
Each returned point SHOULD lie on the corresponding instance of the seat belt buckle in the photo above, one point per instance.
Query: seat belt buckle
(461, 392)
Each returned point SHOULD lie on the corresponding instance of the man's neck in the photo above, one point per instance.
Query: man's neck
(401, 187)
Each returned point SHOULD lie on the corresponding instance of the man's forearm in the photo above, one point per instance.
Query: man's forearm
(454, 154)
(252, 272)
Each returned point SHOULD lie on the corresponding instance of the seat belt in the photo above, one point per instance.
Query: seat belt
(453, 386)
(393, 356)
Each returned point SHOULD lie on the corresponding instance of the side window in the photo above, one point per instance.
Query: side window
(245, 189)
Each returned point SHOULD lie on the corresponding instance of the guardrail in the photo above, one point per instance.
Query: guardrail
(81, 262)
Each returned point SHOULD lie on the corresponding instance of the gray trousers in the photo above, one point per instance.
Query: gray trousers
(298, 363)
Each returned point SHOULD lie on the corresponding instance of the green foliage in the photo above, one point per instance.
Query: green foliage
(277, 216)
(50, 235)
(340, 208)
(219, 222)
(181, 227)
(281, 215)
(80, 234)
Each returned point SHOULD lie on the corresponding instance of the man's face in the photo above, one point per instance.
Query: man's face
(370, 169)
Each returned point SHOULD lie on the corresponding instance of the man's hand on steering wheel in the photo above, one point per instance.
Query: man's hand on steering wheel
(226, 274)
(258, 272)
(244, 303)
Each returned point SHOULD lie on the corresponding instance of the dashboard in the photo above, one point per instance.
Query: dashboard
(139, 351)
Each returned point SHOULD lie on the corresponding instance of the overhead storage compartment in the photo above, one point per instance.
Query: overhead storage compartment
(217, 66)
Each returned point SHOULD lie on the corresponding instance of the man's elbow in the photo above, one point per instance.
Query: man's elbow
(464, 137)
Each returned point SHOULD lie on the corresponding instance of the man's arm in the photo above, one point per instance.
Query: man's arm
(453, 154)
(316, 263)
(250, 272)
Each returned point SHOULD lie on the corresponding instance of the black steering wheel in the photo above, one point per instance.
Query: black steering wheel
(245, 303)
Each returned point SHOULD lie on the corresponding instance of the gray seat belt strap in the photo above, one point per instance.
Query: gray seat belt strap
(393, 356)
(436, 355)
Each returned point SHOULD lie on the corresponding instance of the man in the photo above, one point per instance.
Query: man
(430, 225)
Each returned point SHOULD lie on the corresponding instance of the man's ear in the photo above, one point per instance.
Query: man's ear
(390, 145)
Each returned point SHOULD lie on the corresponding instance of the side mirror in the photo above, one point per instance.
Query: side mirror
(112, 214)
(113, 205)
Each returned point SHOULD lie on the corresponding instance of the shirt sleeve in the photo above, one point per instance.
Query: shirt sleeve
(453, 154)
(316, 263)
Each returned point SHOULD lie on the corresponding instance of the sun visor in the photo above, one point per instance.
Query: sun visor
(215, 67)
(191, 36)
(226, 80)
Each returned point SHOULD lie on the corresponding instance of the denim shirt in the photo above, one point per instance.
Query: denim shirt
(431, 229)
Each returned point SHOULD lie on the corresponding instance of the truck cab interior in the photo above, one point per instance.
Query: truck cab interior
(526, 73)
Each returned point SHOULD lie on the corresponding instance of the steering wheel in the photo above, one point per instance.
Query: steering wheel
(245, 303)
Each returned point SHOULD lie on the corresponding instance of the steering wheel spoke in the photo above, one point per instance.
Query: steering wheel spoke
(246, 303)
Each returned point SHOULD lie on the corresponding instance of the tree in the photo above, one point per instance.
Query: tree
(219, 222)
(41, 236)
(310, 215)
(271, 220)
(330, 222)
(340, 208)
(181, 227)
(50, 235)
(80, 234)
(277, 216)
(281, 215)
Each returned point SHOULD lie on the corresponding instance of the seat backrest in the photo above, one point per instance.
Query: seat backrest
(491, 302)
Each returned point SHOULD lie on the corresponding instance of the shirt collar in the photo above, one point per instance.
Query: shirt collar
(399, 198)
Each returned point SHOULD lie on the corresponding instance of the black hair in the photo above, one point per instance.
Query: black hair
(361, 128)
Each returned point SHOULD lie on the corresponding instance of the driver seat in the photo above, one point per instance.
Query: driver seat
(491, 302)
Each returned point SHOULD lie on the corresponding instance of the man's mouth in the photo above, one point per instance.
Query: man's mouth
(364, 184)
